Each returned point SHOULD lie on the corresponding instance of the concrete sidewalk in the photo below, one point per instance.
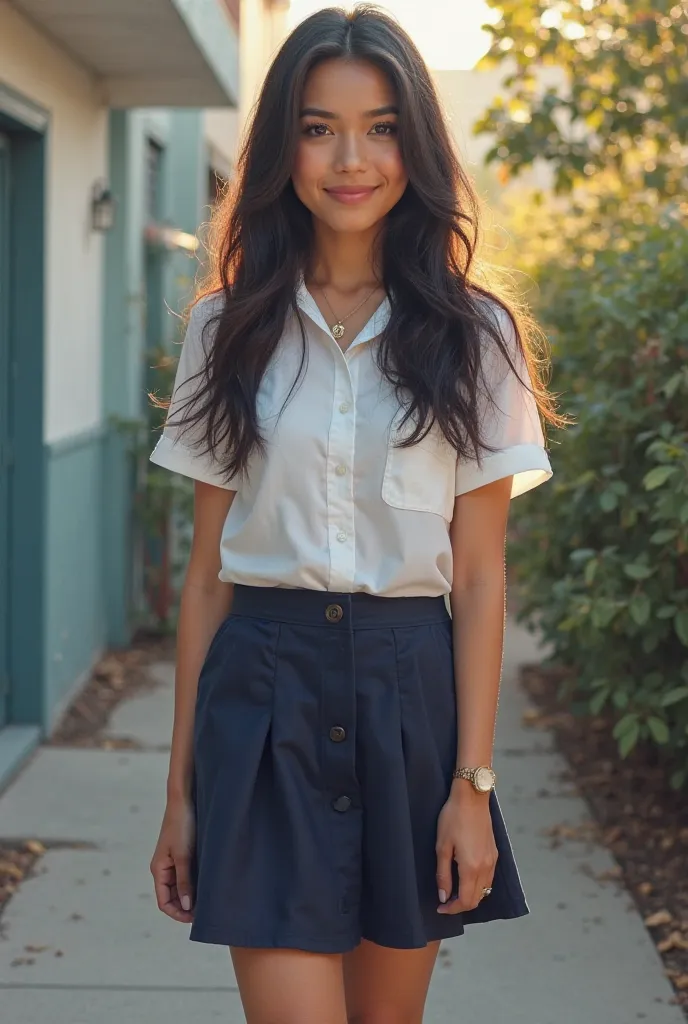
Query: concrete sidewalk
(582, 956)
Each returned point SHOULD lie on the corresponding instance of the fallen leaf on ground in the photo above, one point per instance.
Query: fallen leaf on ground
(531, 715)
(673, 941)
(681, 982)
(35, 847)
(35, 949)
(609, 875)
(659, 917)
(7, 868)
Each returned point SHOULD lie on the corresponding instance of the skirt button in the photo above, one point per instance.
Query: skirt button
(342, 803)
(334, 612)
(337, 733)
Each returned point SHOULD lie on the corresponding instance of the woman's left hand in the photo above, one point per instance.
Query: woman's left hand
(465, 834)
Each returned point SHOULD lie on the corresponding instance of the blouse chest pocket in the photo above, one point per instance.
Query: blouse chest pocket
(420, 478)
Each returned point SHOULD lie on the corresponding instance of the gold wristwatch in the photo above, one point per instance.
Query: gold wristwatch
(482, 777)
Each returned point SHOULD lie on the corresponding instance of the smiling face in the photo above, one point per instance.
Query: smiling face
(348, 169)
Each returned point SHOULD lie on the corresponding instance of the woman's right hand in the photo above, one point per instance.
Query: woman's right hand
(171, 862)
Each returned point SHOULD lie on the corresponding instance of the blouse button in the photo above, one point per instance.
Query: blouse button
(340, 470)
(344, 407)
(341, 536)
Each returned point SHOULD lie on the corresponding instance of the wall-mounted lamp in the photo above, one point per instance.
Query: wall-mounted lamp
(103, 205)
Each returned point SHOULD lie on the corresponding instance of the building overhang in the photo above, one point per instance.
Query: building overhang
(147, 53)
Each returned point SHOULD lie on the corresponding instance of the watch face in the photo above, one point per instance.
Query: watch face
(484, 779)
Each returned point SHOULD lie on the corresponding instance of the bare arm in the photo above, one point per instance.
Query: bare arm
(205, 602)
(478, 534)
(464, 830)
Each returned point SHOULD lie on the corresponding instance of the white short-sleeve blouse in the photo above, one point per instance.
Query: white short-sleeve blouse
(333, 505)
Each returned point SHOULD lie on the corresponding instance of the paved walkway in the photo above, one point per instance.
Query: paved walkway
(582, 956)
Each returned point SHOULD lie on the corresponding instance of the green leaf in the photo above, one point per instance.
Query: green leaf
(658, 729)
(678, 778)
(582, 554)
(598, 701)
(629, 721)
(590, 571)
(638, 571)
(662, 536)
(650, 642)
(609, 500)
(671, 386)
(681, 626)
(603, 612)
(639, 606)
(667, 611)
(674, 696)
(657, 476)
(629, 740)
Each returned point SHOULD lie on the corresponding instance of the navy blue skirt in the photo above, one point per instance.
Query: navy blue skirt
(325, 740)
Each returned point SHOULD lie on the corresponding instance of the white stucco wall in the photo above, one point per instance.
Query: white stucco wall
(220, 129)
(76, 157)
(263, 27)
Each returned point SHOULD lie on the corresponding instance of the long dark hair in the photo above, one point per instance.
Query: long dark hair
(430, 350)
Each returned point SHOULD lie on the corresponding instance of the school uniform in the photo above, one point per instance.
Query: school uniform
(325, 727)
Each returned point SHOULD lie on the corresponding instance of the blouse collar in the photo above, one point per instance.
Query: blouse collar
(375, 325)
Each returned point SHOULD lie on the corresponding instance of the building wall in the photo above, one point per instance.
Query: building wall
(77, 157)
(263, 26)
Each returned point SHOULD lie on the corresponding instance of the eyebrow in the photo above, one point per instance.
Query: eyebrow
(317, 112)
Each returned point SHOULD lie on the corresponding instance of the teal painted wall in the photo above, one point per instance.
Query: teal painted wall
(26, 324)
(140, 285)
(75, 606)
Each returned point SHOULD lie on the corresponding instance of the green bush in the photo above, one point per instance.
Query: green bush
(601, 553)
(162, 506)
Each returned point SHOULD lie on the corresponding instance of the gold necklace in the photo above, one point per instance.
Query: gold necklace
(338, 327)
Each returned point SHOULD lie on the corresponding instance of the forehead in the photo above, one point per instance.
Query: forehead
(347, 86)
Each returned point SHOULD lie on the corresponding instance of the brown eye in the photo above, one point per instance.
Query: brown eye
(389, 128)
(315, 130)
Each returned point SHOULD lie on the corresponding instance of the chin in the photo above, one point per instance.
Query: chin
(352, 220)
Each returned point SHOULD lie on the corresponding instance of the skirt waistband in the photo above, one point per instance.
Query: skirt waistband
(359, 610)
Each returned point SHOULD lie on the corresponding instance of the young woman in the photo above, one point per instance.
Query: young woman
(357, 411)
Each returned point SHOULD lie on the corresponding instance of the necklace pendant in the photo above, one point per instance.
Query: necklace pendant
(338, 330)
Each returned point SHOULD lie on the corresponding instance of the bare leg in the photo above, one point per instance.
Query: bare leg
(387, 986)
(290, 986)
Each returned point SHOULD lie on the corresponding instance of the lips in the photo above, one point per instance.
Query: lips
(351, 190)
(351, 193)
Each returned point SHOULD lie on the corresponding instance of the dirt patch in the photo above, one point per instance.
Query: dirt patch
(17, 861)
(643, 822)
(118, 676)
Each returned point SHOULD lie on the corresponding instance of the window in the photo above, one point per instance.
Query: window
(154, 181)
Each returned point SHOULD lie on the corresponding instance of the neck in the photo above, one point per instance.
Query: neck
(343, 262)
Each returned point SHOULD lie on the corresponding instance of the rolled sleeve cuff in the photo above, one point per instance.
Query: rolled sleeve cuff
(528, 463)
(178, 458)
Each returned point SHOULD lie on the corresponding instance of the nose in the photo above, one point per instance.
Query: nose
(350, 155)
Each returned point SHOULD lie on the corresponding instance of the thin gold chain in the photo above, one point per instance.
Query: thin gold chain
(338, 327)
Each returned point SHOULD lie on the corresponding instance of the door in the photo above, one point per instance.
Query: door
(5, 426)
